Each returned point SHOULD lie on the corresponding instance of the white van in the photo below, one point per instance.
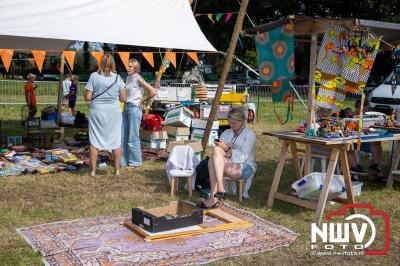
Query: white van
(382, 95)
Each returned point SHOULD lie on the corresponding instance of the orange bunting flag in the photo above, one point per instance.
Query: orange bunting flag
(6, 56)
(171, 56)
(194, 57)
(70, 57)
(97, 55)
(39, 58)
(149, 57)
(124, 58)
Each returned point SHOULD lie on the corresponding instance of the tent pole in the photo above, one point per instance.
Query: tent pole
(60, 89)
(310, 110)
(224, 74)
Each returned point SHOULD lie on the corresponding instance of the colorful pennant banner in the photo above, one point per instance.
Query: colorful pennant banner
(218, 16)
(124, 58)
(149, 57)
(97, 55)
(70, 57)
(6, 56)
(171, 57)
(39, 56)
(228, 16)
(193, 55)
(210, 17)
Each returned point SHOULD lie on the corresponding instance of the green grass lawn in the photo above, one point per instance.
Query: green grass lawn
(35, 199)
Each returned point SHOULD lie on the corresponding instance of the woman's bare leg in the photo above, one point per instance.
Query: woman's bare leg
(93, 153)
(232, 170)
(117, 159)
(213, 178)
(218, 158)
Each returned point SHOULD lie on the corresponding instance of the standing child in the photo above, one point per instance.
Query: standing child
(73, 94)
(30, 96)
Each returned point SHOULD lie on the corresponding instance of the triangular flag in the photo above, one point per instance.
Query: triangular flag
(149, 57)
(172, 57)
(218, 16)
(6, 56)
(97, 55)
(197, 15)
(228, 16)
(39, 58)
(210, 17)
(70, 57)
(124, 58)
(193, 55)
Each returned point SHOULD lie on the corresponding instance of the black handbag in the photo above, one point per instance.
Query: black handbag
(202, 176)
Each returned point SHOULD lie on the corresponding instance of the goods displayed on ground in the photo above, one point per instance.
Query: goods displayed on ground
(181, 219)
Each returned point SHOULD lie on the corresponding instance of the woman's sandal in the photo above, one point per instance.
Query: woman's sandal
(203, 206)
(220, 195)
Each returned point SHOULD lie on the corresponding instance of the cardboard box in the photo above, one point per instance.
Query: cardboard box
(201, 124)
(196, 145)
(222, 111)
(177, 215)
(181, 131)
(178, 116)
(177, 133)
(154, 139)
(197, 135)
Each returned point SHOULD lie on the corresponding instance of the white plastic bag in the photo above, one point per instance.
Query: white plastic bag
(310, 186)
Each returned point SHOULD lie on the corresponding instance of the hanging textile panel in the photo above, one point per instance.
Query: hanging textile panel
(328, 70)
(281, 91)
(276, 60)
(344, 64)
(358, 62)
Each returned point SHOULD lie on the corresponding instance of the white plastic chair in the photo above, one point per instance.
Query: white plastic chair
(181, 162)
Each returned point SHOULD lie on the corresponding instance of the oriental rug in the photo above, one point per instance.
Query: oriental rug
(105, 241)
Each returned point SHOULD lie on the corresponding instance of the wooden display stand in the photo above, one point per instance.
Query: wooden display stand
(339, 148)
(393, 167)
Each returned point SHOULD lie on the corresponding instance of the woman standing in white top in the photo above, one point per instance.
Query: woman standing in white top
(233, 156)
(132, 115)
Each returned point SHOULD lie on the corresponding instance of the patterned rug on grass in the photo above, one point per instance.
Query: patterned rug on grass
(104, 241)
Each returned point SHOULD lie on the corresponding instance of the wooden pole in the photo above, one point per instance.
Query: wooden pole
(311, 97)
(224, 74)
(60, 89)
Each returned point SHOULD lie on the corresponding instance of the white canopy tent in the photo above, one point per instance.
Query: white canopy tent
(53, 24)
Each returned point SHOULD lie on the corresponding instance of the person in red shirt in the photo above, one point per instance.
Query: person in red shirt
(30, 97)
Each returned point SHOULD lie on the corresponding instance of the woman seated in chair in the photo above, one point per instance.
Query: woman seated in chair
(233, 156)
